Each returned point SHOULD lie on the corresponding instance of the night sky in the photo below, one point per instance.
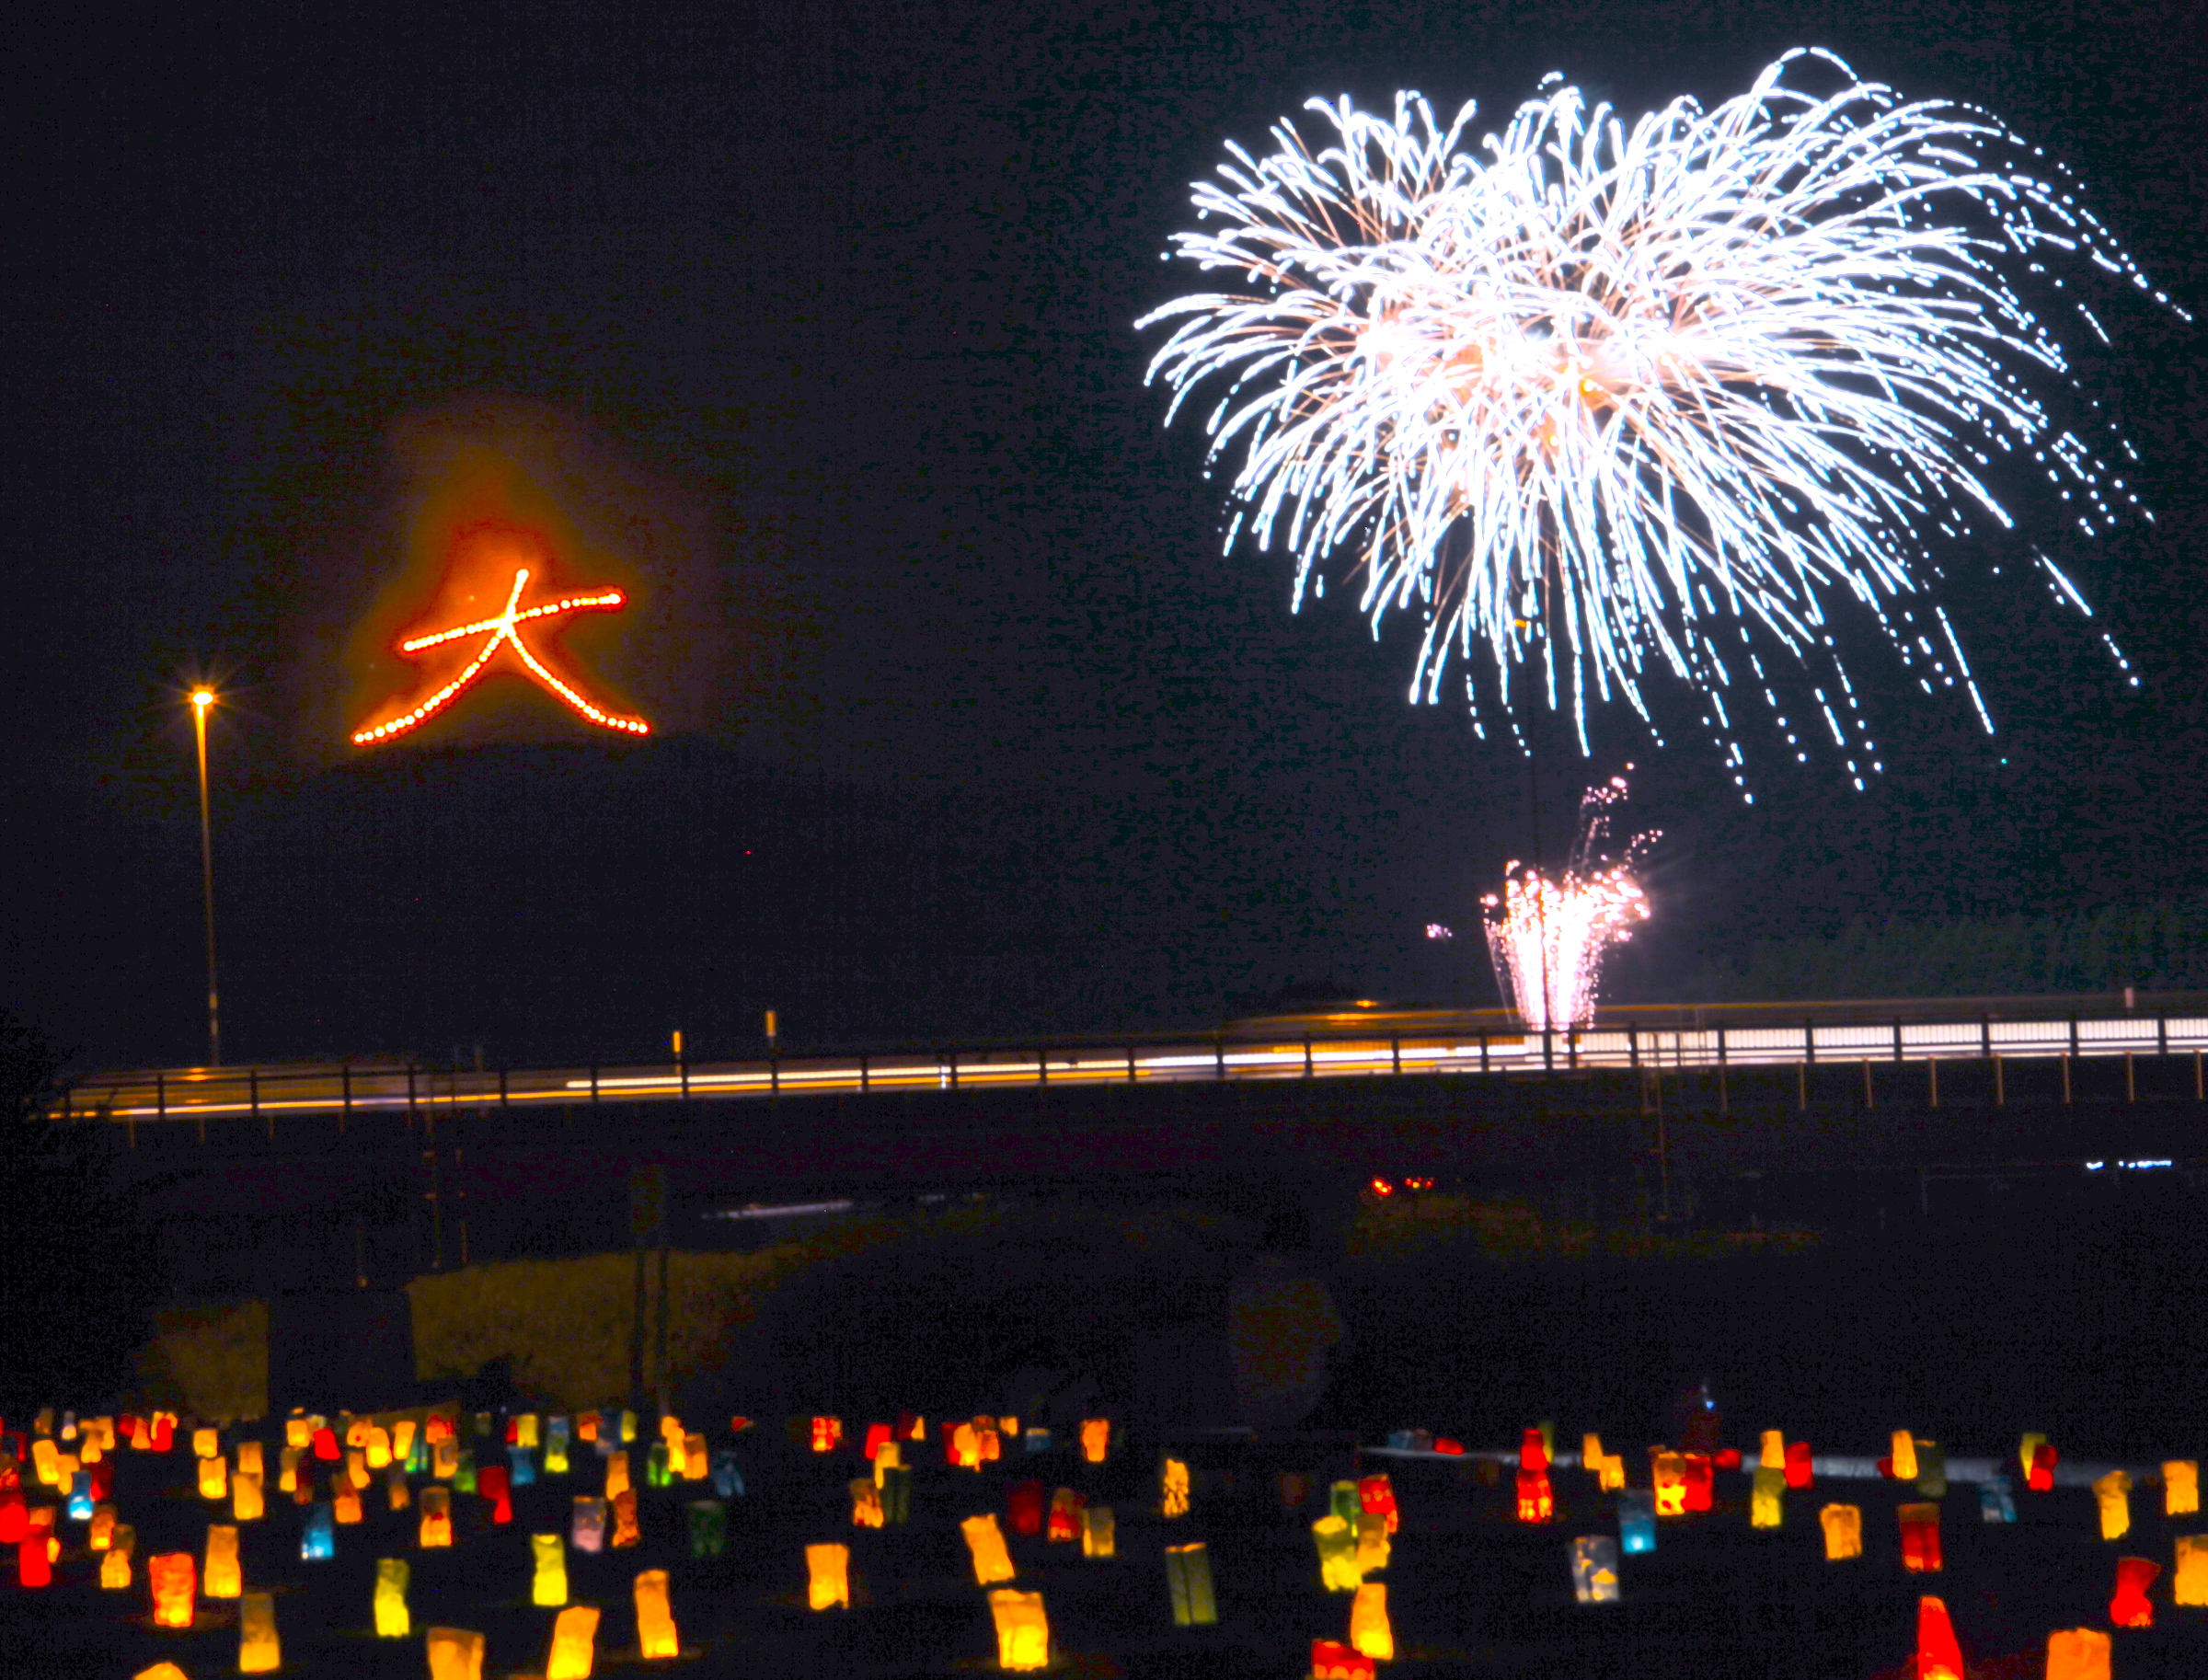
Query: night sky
(816, 321)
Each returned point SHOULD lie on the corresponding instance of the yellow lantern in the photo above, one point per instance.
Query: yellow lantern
(965, 1447)
(215, 1478)
(258, 1650)
(1099, 1536)
(402, 1439)
(574, 1643)
(1189, 1582)
(1843, 1532)
(1023, 1631)
(1370, 1634)
(678, 1456)
(2112, 1494)
(250, 1459)
(101, 1534)
(887, 1457)
(828, 1577)
(986, 1542)
(1339, 1570)
(224, 1579)
(245, 1502)
(2078, 1653)
(206, 1444)
(436, 1518)
(1668, 1471)
(175, 1580)
(455, 1654)
(550, 1584)
(115, 1568)
(524, 1429)
(392, 1620)
(865, 1503)
(1372, 1542)
(1773, 1456)
(616, 1474)
(287, 1469)
(1096, 1439)
(376, 1449)
(1173, 1489)
(2181, 1486)
(2189, 1584)
(161, 1671)
(44, 1461)
(656, 1636)
(1767, 1497)
(1904, 1456)
(297, 1433)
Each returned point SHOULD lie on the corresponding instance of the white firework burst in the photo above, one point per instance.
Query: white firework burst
(1607, 400)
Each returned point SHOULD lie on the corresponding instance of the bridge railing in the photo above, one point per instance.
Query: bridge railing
(342, 1090)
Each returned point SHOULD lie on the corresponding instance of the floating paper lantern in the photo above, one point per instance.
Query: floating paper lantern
(1096, 1439)
(318, 1537)
(164, 1431)
(1938, 1657)
(1376, 1493)
(2078, 1653)
(1333, 1661)
(175, 1580)
(34, 1561)
(624, 1507)
(663, 1463)
(1339, 1570)
(962, 1448)
(215, 1478)
(392, 1620)
(1931, 1469)
(356, 1468)
(867, 1504)
(287, 1469)
(986, 1542)
(297, 1432)
(708, 1525)
(2189, 1585)
(1342, 1500)
(696, 1463)
(550, 1585)
(555, 1447)
(1904, 1456)
(436, 1527)
(1773, 1456)
(161, 1671)
(1372, 1542)
(616, 1474)
(1173, 1489)
(1842, 1526)
(2044, 1460)
(247, 1503)
(828, 1577)
(1369, 1629)
(80, 1497)
(1099, 1535)
(2129, 1607)
(1189, 1584)
(2028, 1448)
(445, 1459)
(115, 1567)
(1594, 1569)
(896, 1493)
(1668, 1471)
(206, 1444)
(325, 1444)
(1767, 1497)
(1800, 1466)
(492, 1484)
(14, 1516)
(1023, 1631)
(1023, 1503)
(911, 1426)
(1698, 1481)
(101, 1536)
(878, 1437)
(397, 1495)
(574, 1643)
(1920, 1539)
(356, 1430)
(656, 1636)
(404, 1434)
(727, 1480)
(1636, 1520)
(258, 1650)
(224, 1576)
(2112, 1496)
(827, 1434)
(2180, 1486)
(586, 1525)
(455, 1654)
(1537, 1500)
(376, 1448)
(1533, 1451)
(344, 1502)
(521, 1468)
(1997, 1501)
(1064, 1521)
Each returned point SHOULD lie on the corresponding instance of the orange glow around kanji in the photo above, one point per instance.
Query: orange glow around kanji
(495, 565)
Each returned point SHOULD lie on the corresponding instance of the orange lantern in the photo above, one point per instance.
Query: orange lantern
(455, 1654)
(827, 1434)
(258, 1650)
(175, 1578)
(247, 1504)
(2078, 1653)
(574, 1643)
(865, 1503)
(1938, 1657)
(1096, 1439)
(1173, 1489)
(828, 1577)
(1843, 1527)
(1667, 1470)
(1023, 1631)
(656, 1636)
(2189, 1584)
(224, 1579)
(2112, 1496)
(985, 1543)
(436, 1528)
(2181, 1486)
(115, 1567)
(624, 1507)
(1369, 1629)
(616, 1474)
(215, 1475)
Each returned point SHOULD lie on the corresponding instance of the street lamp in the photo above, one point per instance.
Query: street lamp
(202, 700)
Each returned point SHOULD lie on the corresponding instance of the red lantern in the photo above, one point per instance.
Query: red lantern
(1536, 1502)
(1454, 1449)
(1066, 1510)
(1699, 1483)
(910, 1426)
(827, 1434)
(15, 1517)
(1025, 1504)
(2129, 1607)
(1920, 1539)
(2040, 1479)
(1331, 1659)
(165, 1431)
(1798, 1465)
(877, 1436)
(1938, 1657)
(34, 1561)
(1377, 1494)
(495, 1483)
(1533, 1451)
(326, 1444)
(1729, 1459)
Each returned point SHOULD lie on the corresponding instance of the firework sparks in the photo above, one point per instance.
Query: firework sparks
(1547, 936)
(1609, 401)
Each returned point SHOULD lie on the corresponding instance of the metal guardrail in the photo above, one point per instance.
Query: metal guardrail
(342, 1090)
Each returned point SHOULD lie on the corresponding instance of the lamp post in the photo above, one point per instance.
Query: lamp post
(202, 700)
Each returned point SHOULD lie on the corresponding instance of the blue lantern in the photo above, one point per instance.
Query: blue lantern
(524, 1467)
(728, 1481)
(319, 1540)
(1996, 1503)
(1636, 1520)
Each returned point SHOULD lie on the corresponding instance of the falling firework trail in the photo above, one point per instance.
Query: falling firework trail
(1606, 401)
(1547, 936)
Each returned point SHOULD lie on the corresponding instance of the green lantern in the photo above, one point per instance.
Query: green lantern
(708, 1528)
(1189, 1578)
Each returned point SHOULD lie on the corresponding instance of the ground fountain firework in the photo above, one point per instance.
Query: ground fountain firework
(1609, 401)
(1547, 935)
